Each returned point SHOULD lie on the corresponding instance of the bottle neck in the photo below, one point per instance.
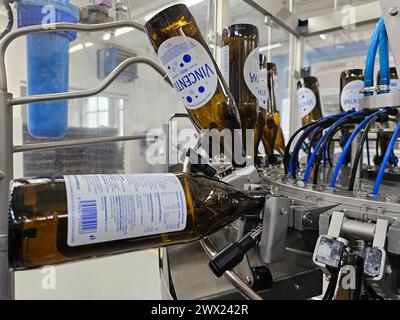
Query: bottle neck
(271, 92)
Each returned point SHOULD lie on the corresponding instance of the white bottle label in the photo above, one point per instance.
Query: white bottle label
(394, 86)
(104, 208)
(251, 71)
(351, 95)
(225, 63)
(307, 101)
(263, 88)
(190, 69)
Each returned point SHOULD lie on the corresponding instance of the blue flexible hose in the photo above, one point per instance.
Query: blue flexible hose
(314, 136)
(384, 77)
(371, 56)
(347, 147)
(394, 160)
(295, 154)
(389, 151)
(321, 141)
(294, 159)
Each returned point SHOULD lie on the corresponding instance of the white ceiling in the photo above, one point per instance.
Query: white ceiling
(305, 9)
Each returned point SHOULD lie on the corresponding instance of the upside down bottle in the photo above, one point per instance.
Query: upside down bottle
(351, 83)
(309, 101)
(196, 77)
(263, 108)
(269, 130)
(279, 141)
(59, 220)
(241, 58)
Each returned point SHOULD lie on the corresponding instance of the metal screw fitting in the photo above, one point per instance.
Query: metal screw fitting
(394, 11)
(249, 281)
(308, 219)
(2, 175)
(284, 211)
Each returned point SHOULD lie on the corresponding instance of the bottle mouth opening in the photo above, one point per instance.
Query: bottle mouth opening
(242, 29)
(358, 72)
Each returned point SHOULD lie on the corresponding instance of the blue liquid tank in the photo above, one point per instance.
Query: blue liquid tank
(48, 64)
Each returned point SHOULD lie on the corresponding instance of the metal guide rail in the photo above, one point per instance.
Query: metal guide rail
(7, 101)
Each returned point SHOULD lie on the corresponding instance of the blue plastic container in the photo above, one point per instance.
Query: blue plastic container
(48, 64)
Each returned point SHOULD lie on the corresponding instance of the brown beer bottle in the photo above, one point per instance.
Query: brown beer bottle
(59, 220)
(351, 83)
(241, 58)
(269, 130)
(263, 97)
(192, 70)
(279, 141)
(309, 100)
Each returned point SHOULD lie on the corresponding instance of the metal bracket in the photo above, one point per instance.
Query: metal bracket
(381, 100)
(240, 177)
(307, 218)
(275, 227)
(375, 257)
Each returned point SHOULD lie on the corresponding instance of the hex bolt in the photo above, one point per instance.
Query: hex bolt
(284, 211)
(394, 11)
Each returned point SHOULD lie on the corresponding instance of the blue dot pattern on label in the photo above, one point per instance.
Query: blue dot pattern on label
(351, 95)
(262, 88)
(196, 80)
(307, 101)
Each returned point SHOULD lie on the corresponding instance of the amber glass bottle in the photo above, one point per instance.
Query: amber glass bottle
(351, 83)
(263, 97)
(240, 43)
(191, 68)
(309, 100)
(279, 143)
(61, 220)
(269, 130)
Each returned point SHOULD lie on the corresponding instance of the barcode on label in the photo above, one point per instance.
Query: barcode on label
(88, 215)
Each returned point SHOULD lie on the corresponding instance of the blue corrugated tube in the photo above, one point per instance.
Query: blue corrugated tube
(389, 151)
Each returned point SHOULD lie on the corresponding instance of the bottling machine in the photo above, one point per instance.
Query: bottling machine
(310, 228)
